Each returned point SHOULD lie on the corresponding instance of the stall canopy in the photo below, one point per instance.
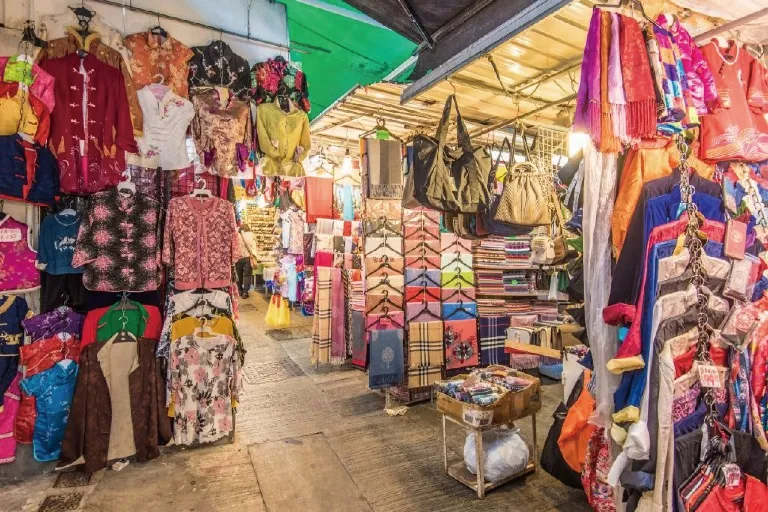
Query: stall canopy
(348, 51)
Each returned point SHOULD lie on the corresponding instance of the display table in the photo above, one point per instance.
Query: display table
(477, 482)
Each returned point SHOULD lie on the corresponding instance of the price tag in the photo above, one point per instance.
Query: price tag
(732, 475)
(709, 376)
(477, 418)
(10, 235)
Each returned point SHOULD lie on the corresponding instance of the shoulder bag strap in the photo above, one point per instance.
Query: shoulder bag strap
(462, 135)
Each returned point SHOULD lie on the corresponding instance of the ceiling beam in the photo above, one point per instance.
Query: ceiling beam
(530, 113)
(425, 37)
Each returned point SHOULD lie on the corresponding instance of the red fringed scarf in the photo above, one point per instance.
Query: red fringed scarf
(638, 82)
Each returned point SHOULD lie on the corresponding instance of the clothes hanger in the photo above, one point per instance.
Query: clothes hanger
(384, 224)
(381, 129)
(423, 247)
(458, 277)
(201, 189)
(631, 4)
(385, 264)
(386, 315)
(459, 263)
(126, 185)
(426, 311)
(203, 328)
(457, 242)
(463, 309)
(384, 282)
(425, 290)
(384, 244)
(424, 275)
(158, 30)
(385, 300)
(422, 235)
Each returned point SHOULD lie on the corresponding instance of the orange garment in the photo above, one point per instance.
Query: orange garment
(653, 159)
(574, 437)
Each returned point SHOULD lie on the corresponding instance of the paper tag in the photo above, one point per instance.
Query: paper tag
(477, 418)
(10, 235)
(709, 376)
(735, 239)
(732, 475)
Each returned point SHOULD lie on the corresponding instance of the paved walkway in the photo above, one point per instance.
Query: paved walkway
(307, 439)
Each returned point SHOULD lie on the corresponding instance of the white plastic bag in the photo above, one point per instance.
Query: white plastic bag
(505, 453)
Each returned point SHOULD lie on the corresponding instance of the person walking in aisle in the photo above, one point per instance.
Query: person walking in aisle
(243, 266)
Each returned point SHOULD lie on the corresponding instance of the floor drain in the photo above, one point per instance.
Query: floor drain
(293, 333)
(273, 371)
(61, 502)
(73, 479)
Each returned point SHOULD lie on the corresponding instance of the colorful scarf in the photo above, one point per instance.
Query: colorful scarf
(587, 116)
(321, 324)
(387, 366)
(338, 337)
(425, 344)
(460, 341)
(493, 336)
(657, 71)
(672, 87)
(608, 141)
(638, 82)
(359, 340)
(616, 96)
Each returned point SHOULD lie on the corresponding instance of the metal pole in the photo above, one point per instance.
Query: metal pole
(731, 24)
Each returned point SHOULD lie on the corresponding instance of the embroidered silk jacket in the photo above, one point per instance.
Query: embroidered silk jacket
(91, 156)
(64, 46)
(118, 243)
(153, 56)
(216, 65)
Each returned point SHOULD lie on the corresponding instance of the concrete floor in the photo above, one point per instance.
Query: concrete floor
(307, 439)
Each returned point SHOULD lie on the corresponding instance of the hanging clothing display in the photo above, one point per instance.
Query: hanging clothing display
(283, 138)
(167, 116)
(216, 65)
(40, 83)
(28, 171)
(154, 56)
(18, 273)
(382, 164)
(23, 113)
(200, 242)
(90, 132)
(221, 125)
(118, 245)
(11, 400)
(70, 44)
(275, 79)
(13, 310)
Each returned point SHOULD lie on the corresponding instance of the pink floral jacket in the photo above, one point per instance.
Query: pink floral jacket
(201, 242)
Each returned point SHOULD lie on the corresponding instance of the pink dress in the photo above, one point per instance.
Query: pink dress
(17, 259)
(7, 421)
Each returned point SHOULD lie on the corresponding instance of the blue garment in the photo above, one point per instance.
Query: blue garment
(13, 309)
(13, 170)
(348, 207)
(53, 390)
(760, 287)
(58, 234)
(632, 386)
(451, 310)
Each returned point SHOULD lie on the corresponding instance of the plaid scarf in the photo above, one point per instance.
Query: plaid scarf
(423, 376)
(425, 344)
(387, 364)
(638, 81)
(493, 336)
(321, 324)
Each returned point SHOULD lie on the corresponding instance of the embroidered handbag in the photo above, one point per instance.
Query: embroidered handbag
(447, 179)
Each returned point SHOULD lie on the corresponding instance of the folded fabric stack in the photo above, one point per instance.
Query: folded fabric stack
(491, 307)
(490, 251)
(518, 281)
(478, 392)
(518, 250)
(490, 281)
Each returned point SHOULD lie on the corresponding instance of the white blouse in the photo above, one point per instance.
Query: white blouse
(164, 143)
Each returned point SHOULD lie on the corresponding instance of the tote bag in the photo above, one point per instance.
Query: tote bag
(448, 179)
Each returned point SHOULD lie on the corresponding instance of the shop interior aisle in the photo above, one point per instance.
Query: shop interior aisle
(307, 439)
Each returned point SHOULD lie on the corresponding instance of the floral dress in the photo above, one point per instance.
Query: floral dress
(206, 380)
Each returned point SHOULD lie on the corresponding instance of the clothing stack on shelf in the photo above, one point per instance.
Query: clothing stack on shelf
(423, 311)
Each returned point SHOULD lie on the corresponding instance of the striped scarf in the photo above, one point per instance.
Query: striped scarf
(425, 344)
(321, 324)
(493, 336)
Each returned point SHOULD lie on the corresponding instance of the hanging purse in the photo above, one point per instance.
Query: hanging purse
(552, 249)
(451, 180)
(526, 199)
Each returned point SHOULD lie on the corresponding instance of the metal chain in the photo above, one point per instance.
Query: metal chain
(695, 247)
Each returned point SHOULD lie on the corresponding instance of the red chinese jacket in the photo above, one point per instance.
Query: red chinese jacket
(91, 126)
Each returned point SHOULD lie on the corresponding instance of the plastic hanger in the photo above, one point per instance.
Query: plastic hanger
(384, 244)
(385, 300)
(381, 131)
(201, 189)
(127, 185)
(459, 264)
(457, 242)
(384, 225)
(631, 4)
(424, 275)
(383, 282)
(203, 328)
(463, 309)
(423, 247)
(426, 311)
(158, 30)
(458, 277)
(426, 292)
(385, 315)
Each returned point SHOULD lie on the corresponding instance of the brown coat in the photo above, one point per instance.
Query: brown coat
(86, 440)
(64, 46)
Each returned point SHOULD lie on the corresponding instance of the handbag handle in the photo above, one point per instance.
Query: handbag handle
(495, 165)
(462, 135)
(555, 205)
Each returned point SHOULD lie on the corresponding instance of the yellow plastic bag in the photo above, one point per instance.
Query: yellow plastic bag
(284, 314)
(271, 317)
(278, 315)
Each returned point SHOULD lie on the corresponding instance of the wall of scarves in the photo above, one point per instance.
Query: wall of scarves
(676, 324)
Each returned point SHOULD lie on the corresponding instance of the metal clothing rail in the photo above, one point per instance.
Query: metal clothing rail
(731, 25)
(220, 30)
